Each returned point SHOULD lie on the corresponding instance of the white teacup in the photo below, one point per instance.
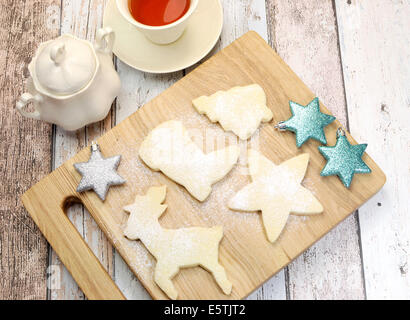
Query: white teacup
(159, 34)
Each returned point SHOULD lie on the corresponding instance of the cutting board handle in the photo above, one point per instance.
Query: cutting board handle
(69, 245)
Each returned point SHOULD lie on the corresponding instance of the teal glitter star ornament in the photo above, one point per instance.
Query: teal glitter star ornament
(344, 159)
(307, 122)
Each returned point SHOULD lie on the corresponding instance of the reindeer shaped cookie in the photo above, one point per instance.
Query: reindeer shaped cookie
(173, 248)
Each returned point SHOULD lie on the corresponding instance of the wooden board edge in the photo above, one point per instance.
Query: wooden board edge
(71, 248)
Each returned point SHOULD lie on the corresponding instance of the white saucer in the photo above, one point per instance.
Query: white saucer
(133, 48)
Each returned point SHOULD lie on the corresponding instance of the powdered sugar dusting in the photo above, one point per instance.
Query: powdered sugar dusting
(183, 210)
(240, 109)
(170, 148)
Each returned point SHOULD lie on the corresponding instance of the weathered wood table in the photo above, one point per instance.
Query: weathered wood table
(353, 54)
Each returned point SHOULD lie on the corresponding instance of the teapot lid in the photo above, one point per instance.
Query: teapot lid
(65, 66)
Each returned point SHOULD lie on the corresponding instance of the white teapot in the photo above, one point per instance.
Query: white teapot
(72, 84)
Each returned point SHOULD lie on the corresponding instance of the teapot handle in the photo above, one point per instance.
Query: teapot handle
(24, 100)
(105, 40)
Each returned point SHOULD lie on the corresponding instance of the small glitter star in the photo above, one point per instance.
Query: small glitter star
(344, 159)
(307, 122)
(98, 173)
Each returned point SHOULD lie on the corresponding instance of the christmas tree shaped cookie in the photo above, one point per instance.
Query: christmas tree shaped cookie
(170, 149)
(276, 191)
(240, 109)
(173, 248)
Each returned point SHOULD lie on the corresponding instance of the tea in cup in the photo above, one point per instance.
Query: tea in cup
(161, 21)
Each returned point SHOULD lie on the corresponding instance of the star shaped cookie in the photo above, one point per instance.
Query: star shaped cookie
(276, 191)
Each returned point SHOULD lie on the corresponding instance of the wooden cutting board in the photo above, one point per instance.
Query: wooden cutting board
(247, 256)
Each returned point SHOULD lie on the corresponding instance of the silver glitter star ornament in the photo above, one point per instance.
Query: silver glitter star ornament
(344, 159)
(307, 122)
(98, 173)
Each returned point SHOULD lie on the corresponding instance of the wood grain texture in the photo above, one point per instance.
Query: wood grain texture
(239, 18)
(248, 258)
(68, 243)
(24, 150)
(375, 47)
(301, 31)
(139, 88)
(304, 33)
(81, 18)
